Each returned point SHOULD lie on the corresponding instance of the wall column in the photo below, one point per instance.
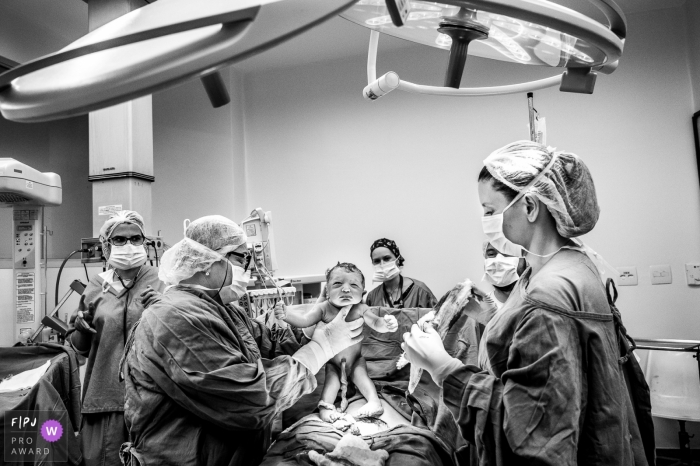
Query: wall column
(121, 141)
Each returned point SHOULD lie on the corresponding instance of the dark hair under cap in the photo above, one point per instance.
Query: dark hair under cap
(348, 267)
(391, 246)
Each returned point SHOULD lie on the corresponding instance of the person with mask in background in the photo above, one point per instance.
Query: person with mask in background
(203, 380)
(108, 309)
(502, 272)
(557, 385)
(396, 291)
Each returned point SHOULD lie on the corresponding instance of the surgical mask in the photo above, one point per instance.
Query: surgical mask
(493, 229)
(233, 292)
(493, 224)
(127, 257)
(237, 289)
(501, 270)
(385, 272)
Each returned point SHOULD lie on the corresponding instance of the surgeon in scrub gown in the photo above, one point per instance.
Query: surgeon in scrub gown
(203, 381)
(108, 309)
(551, 388)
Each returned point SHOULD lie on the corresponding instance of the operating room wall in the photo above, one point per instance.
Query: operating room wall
(60, 147)
(198, 154)
(339, 172)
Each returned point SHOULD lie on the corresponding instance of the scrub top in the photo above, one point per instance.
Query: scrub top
(554, 392)
(419, 295)
(115, 314)
(204, 382)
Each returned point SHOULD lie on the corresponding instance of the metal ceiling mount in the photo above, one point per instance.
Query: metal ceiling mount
(155, 47)
(531, 32)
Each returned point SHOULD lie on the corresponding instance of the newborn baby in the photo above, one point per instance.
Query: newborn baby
(345, 285)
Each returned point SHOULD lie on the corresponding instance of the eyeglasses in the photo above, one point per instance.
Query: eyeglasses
(121, 240)
(245, 258)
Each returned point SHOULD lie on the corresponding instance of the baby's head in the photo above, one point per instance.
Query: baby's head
(345, 284)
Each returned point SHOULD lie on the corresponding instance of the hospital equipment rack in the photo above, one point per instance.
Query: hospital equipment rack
(686, 346)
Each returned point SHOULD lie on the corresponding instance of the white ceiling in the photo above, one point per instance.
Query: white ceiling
(66, 18)
(32, 28)
(63, 21)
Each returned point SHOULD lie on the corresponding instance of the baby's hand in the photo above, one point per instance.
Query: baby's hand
(280, 311)
(391, 323)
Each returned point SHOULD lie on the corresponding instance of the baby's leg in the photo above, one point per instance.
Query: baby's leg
(373, 407)
(330, 392)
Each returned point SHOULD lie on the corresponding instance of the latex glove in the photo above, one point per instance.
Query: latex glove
(489, 306)
(83, 323)
(478, 292)
(391, 323)
(429, 317)
(330, 340)
(425, 350)
(280, 311)
(149, 297)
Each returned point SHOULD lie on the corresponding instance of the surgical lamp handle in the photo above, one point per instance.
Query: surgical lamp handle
(372, 56)
(449, 91)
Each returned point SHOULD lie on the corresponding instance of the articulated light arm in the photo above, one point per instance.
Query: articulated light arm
(390, 81)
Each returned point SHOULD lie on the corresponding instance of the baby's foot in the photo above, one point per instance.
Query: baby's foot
(371, 409)
(328, 415)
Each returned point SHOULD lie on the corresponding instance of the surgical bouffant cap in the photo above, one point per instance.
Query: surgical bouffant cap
(565, 187)
(114, 220)
(391, 246)
(207, 241)
(217, 233)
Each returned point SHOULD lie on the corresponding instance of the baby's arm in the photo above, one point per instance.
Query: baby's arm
(298, 317)
(385, 324)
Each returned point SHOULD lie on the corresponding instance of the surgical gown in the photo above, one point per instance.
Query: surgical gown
(418, 295)
(555, 393)
(204, 382)
(103, 430)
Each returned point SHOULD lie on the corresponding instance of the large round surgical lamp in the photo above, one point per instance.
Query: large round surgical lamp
(530, 32)
(152, 48)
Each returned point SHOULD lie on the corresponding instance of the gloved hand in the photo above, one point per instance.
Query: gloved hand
(426, 351)
(330, 340)
(391, 323)
(280, 311)
(429, 317)
(488, 304)
(83, 322)
(478, 292)
(149, 297)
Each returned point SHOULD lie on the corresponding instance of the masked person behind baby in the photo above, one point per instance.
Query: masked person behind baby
(345, 285)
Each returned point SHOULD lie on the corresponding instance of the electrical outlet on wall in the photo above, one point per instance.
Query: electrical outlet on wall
(692, 274)
(660, 274)
(628, 276)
